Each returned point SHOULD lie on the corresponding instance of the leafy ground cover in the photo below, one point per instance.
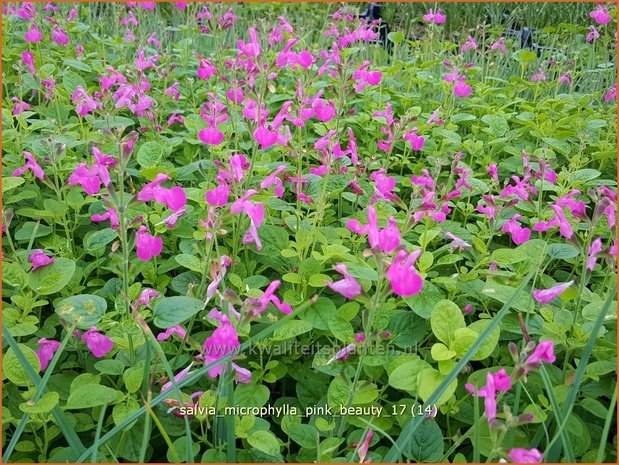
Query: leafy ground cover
(250, 233)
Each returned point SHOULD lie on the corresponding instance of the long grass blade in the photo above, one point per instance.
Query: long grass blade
(67, 430)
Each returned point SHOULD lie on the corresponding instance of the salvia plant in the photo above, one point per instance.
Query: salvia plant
(268, 233)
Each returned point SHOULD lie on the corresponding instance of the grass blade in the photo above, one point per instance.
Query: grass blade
(552, 453)
(95, 451)
(67, 430)
(393, 455)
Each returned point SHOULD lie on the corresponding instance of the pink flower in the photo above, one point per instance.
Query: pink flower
(59, 36)
(436, 18)
(519, 455)
(173, 91)
(456, 243)
(596, 248)
(177, 329)
(260, 304)
(211, 136)
(222, 342)
(417, 142)
(31, 164)
(348, 287)
(20, 106)
(565, 79)
(45, 352)
(218, 197)
(499, 45)
(174, 198)
(26, 11)
(365, 78)
(469, 44)
(593, 34)
(539, 76)
(33, 35)
(519, 234)
(544, 296)
(600, 15)
(110, 215)
(170, 221)
(205, 68)
(146, 296)
(39, 259)
(612, 93)
(323, 110)
(181, 5)
(147, 246)
(265, 137)
(175, 118)
(365, 445)
(273, 178)
(99, 344)
(402, 275)
(462, 89)
(84, 103)
(250, 49)
(28, 59)
(386, 240)
(177, 378)
(499, 381)
(343, 353)
(543, 352)
(235, 95)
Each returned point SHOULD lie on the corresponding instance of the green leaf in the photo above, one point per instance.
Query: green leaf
(292, 328)
(13, 369)
(319, 313)
(341, 328)
(338, 392)
(44, 405)
(14, 275)
(133, 377)
(150, 154)
(446, 318)
(99, 239)
(171, 311)
(11, 182)
(189, 261)
(427, 444)
(441, 352)
(71, 80)
(91, 395)
(304, 435)
(251, 395)
(264, 441)
(86, 310)
(506, 257)
(464, 338)
(423, 302)
(360, 271)
(562, 251)
(77, 64)
(52, 278)
(489, 343)
(405, 376)
(429, 380)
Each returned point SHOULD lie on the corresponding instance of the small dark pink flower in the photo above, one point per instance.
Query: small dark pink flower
(177, 329)
(600, 15)
(462, 89)
(544, 296)
(348, 287)
(402, 275)
(99, 344)
(543, 352)
(33, 35)
(520, 455)
(147, 246)
(364, 447)
(20, 106)
(499, 45)
(146, 296)
(593, 34)
(45, 352)
(39, 259)
(59, 36)
(31, 164)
